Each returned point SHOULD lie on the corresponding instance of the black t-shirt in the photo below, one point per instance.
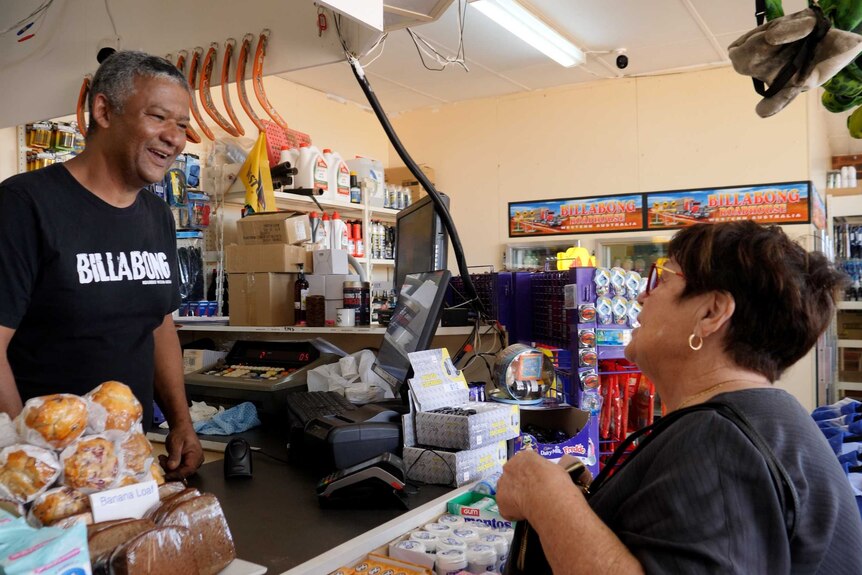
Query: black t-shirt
(699, 497)
(84, 284)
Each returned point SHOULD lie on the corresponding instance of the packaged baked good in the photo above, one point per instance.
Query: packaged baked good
(157, 473)
(8, 433)
(104, 538)
(26, 471)
(113, 406)
(157, 512)
(137, 453)
(159, 550)
(12, 507)
(57, 503)
(92, 463)
(52, 421)
(85, 518)
(211, 537)
(170, 488)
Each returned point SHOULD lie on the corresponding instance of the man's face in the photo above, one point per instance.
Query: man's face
(150, 132)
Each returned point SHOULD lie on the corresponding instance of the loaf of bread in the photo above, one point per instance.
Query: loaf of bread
(104, 538)
(85, 518)
(211, 537)
(52, 421)
(170, 488)
(160, 550)
(91, 463)
(137, 453)
(59, 503)
(158, 512)
(123, 409)
(26, 471)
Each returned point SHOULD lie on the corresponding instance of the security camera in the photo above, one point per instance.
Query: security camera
(622, 59)
(106, 47)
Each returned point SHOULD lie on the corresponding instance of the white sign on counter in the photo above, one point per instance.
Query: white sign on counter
(129, 502)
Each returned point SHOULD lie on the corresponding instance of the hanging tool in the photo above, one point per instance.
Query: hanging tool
(257, 80)
(241, 61)
(193, 72)
(82, 104)
(206, 95)
(225, 93)
(191, 135)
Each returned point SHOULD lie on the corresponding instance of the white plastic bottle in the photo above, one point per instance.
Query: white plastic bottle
(325, 241)
(369, 172)
(289, 155)
(450, 562)
(339, 177)
(481, 558)
(313, 170)
(338, 238)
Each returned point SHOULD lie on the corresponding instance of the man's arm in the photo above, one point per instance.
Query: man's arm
(10, 399)
(185, 454)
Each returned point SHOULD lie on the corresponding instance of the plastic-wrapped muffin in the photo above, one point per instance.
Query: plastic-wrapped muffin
(122, 409)
(158, 475)
(137, 453)
(26, 471)
(52, 421)
(92, 463)
(59, 503)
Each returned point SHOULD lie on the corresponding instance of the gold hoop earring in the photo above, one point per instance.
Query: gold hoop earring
(691, 342)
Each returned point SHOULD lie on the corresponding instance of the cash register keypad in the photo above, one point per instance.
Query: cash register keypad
(250, 372)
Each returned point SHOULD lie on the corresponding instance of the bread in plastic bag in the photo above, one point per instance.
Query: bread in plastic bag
(113, 406)
(57, 503)
(52, 421)
(92, 463)
(159, 550)
(26, 471)
(103, 538)
(137, 453)
(211, 537)
(8, 433)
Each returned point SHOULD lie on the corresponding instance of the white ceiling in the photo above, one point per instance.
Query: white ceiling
(659, 36)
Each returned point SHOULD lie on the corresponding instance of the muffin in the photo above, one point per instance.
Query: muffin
(53, 421)
(26, 471)
(59, 503)
(136, 451)
(123, 408)
(91, 464)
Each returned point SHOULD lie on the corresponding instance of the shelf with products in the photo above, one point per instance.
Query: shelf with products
(43, 143)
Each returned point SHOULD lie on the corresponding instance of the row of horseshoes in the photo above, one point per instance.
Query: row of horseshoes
(202, 65)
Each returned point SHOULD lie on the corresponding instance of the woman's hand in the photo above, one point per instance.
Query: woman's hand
(526, 476)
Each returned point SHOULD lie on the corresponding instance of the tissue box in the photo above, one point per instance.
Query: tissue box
(274, 228)
(329, 286)
(456, 468)
(491, 423)
(583, 432)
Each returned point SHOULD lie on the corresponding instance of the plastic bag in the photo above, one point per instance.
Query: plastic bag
(365, 387)
(26, 471)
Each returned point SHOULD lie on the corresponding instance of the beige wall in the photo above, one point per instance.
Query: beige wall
(635, 135)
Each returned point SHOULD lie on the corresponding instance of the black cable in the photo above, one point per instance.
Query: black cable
(442, 211)
(421, 455)
(280, 460)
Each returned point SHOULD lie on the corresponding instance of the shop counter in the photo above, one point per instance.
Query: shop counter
(276, 521)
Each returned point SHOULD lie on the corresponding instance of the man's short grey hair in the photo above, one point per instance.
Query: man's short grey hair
(115, 78)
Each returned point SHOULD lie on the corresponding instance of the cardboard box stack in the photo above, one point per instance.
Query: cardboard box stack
(447, 439)
(262, 267)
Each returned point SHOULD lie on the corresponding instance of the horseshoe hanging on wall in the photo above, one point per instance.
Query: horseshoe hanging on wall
(241, 61)
(206, 94)
(225, 93)
(193, 72)
(191, 135)
(257, 80)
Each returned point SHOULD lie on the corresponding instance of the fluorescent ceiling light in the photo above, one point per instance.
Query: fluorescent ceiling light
(528, 27)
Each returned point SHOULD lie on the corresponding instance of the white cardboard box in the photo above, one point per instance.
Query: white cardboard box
(455, 468)
(329, 262)
(329, 286)
(491, 423)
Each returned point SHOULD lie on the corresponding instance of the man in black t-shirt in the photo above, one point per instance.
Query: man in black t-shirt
(88, 271)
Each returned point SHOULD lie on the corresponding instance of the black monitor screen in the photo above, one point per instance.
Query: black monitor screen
(420, 240)
(412, 326)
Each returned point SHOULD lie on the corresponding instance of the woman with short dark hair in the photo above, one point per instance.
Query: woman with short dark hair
(736, 477)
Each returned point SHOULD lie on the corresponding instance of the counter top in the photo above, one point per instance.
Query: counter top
(275, 518)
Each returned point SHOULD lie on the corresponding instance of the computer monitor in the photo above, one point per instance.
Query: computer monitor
(412, 326)
(421, 243)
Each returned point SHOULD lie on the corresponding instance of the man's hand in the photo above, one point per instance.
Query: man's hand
(185, 454)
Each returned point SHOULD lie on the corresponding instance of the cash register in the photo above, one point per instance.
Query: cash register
(263, 372)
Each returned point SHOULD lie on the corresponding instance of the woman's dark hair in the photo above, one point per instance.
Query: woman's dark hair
(785, 296)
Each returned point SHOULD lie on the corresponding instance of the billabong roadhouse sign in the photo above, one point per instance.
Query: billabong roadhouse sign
(576, 216)
(784, 203)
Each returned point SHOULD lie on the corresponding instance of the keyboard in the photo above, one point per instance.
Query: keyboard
(307, 405)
